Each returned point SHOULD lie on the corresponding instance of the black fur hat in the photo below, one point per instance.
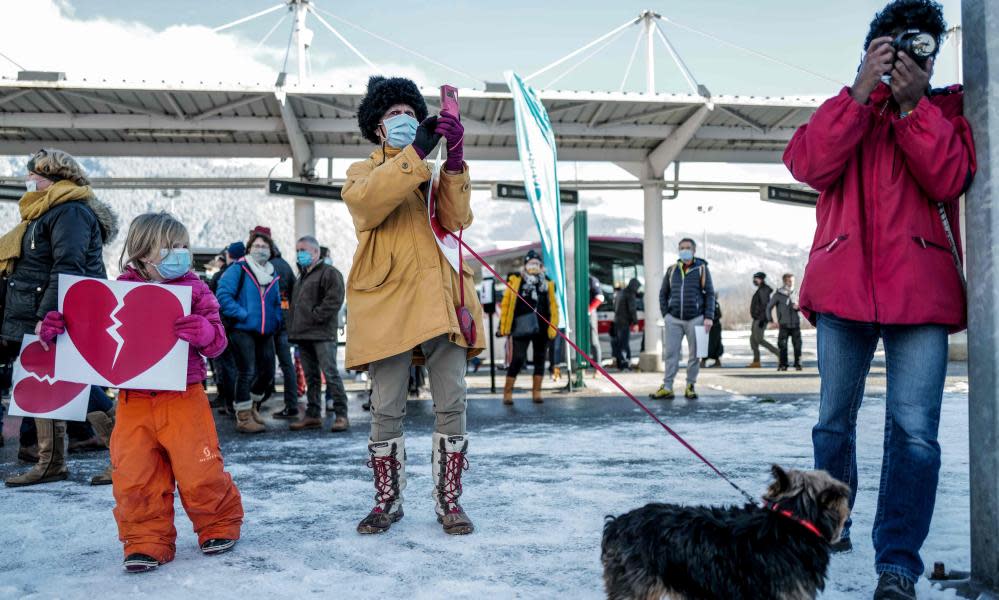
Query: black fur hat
(924, 15)
(383, 94)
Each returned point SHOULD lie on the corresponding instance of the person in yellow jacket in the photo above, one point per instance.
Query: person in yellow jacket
(403, 293)
(524, 327)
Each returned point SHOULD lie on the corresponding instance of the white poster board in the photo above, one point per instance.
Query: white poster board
(35, 392)
(120, 334)
(701, 337)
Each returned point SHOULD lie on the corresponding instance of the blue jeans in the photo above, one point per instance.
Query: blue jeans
(916, 365)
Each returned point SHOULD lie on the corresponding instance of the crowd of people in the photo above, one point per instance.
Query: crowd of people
(864, 282)
(271, 316)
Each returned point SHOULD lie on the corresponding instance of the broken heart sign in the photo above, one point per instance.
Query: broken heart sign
(120, 334)
(35, 392)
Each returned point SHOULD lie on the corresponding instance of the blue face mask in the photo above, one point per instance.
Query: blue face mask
(176, 263)
(686, 255)
(400, 130)
(304, 258)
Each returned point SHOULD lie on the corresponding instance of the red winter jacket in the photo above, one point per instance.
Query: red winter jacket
(203, 303)
(880, 253)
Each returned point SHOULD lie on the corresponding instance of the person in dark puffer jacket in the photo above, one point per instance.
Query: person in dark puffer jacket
(686, 301)
(63, 229)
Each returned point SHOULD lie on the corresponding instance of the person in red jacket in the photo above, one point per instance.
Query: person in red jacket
(890, 158)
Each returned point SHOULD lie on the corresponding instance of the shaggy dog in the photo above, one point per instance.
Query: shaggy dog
(779, 551)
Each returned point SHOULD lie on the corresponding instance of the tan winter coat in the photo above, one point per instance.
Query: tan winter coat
(401, 291)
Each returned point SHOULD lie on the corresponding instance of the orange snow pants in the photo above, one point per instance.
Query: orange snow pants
(163, 440)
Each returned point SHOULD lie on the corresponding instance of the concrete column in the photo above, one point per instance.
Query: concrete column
(305, 217)
(305, 210)
(980, 19)
(652, 248)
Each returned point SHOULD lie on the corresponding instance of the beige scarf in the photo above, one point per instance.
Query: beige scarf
(32, 206)
(264, 274)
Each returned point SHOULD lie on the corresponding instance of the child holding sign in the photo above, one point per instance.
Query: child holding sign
(166, 439)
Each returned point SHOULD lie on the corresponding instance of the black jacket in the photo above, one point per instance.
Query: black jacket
(758, 306)
(316, 303)
(286, 283)
(213, 283)
(69, 238)
(689, 293)
(626, 305)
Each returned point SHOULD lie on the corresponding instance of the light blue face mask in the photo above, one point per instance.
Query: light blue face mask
(686, 255)
(176, 263)
(304, 258)
(400, 130)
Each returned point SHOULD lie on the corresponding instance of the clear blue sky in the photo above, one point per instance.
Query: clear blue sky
(486, 38)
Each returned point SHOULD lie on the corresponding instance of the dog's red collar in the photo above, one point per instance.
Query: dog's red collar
(774, 506)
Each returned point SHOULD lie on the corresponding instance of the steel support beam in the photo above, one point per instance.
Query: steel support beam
(211, 112)
(980, 19)
(300, 150)
(252, 150)
(670, 148)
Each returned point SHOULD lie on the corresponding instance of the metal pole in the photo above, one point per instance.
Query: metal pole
(981, 106)
(305, 210)
(303, 38)
(652, 250)
(492, 357)
(650, 56)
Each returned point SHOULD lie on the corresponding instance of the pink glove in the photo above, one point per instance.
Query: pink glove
(51, 326)
(195, 330)
(451, 128)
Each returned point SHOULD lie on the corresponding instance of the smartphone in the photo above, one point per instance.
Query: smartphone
(449, 100)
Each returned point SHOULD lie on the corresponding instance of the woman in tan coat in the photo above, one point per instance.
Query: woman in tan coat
(403, 293)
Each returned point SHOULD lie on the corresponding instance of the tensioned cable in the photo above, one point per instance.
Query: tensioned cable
(595, 51)
(248, 18)
(12, 61)
(287, 51)
(631, 61)
(399, 46)
(271, 32)
(756, 53)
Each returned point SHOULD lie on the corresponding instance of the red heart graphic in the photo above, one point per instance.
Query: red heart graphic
(35, 359)
(88, 307)
(39, 397)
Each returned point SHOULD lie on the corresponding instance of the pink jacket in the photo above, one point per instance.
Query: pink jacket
(880, 253)
(203, 303)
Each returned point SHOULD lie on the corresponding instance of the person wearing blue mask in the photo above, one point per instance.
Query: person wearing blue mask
(312, 326)
(405, 297)
(686, 301)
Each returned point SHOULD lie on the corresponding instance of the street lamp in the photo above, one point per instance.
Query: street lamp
(705, 209)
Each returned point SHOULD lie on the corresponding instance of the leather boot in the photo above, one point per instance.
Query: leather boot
(245, 423)
(508, 390)
(536, 390)
(388, 461)
(51, 455)
(255, 412)
(28, 454)
(103, 424)
(448, 462)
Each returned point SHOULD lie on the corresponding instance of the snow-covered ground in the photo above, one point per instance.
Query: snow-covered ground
(542, 479)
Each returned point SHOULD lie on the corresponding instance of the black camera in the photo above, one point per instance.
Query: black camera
(919, 45)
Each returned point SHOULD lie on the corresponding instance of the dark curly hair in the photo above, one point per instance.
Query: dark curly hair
(382, 95)
(924, 15)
